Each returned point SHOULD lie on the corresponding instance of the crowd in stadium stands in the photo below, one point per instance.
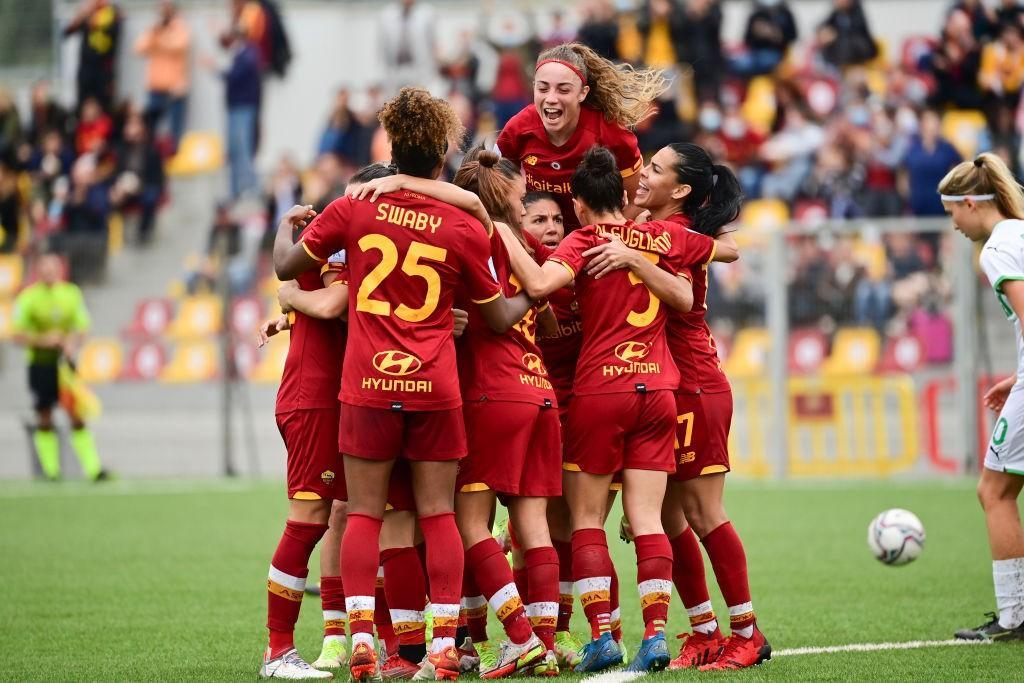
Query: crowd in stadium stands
(836, 124)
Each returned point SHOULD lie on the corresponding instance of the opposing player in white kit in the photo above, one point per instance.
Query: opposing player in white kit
(987, 205)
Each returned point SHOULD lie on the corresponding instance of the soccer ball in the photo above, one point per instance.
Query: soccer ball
(896, 537)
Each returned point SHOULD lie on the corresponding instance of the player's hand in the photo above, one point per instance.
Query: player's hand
(644, 216)
(995, 398)
(299, 215)
(378, 186)
(608, 257)
(461, 320)
(51, 340)
(269, 328)
(284, 295)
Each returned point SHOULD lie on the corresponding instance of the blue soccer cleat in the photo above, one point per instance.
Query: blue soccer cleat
(652, 655)
(600, 654)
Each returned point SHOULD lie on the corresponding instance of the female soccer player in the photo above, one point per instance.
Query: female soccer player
(683, 186)
(987, 205)
(622, 413)
(400, 391)
(580, 100)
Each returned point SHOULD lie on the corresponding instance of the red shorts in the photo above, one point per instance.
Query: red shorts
(607, 433)
(514, 448)
(380, 434)
(315, 469)
(702, 434)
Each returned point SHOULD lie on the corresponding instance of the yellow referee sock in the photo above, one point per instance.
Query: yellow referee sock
(48, 449)
(85, 448)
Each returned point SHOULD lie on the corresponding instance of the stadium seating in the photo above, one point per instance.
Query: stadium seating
(963, 128)
(198, 152)
(855, 351)
(245, 316)
(100, 361)
(748, 357)
(807, 350)
(759, 106)
(198, 316)
(152, 318)
(12, 273)
(764, 214)
(193, 361)
(145, 362)
(902, 354)
(268, 370)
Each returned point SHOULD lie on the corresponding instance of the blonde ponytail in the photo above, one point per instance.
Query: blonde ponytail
(621, 92)
(987, 174)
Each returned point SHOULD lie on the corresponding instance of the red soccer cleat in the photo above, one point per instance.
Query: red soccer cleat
(363, 663)
(739, 653)
(397, 667)
(698, 649)
(444, 665)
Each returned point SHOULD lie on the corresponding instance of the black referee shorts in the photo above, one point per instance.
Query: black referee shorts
(42, 382)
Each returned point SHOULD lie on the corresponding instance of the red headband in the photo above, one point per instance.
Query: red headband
(583, 79)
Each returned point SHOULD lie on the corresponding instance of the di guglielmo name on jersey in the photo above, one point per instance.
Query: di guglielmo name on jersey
(397, 365)
(631, 353)
(658, 243)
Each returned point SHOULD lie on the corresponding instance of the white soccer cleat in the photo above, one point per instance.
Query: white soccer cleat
(290, 666)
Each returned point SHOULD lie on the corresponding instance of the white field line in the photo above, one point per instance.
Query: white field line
(874, 647)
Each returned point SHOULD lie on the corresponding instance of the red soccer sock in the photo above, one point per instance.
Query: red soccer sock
(654, 580)
(474, 607)
(688, 576)
(494, 578)
(725, 550)
(542, 600)
(613, 604)
(332, 601)
(521, 578)
(382, 615)
(287, 581)
(421, 550)
(565, 597)
(592, 569)
(360, 555)
(406, 593)
(444, 575)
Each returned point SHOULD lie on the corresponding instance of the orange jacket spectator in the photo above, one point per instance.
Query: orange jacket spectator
(166, 45)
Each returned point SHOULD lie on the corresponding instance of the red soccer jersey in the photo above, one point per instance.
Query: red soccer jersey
(406, 255)
(624, 347)
(549, 168)
(561, 351)
(689, 337)
(509, 366)
(312, 369)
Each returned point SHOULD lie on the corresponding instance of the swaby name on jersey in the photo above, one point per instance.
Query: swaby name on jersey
(658, 243)
(408, 218)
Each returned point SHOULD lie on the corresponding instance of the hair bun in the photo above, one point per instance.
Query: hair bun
(979, 162)
(599, 160)
(488, 158)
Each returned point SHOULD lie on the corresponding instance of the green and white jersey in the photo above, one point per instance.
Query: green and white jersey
(1002, 259)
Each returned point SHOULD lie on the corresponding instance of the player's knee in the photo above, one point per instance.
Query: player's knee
(339, 513)
(705, 518)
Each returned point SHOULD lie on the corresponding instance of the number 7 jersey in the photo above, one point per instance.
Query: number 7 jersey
(407, 254)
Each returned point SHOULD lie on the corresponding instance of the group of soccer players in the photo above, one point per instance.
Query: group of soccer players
(575, 279)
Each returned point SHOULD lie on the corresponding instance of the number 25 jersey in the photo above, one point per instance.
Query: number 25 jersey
(407, 254)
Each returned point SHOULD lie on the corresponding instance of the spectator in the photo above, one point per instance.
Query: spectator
(844, 38)
(771, 29)
(661, 29)
(98, 23)
(166, 46)
(883, 148)
(600, 28)
(10, 124)
(10, 206)
(261, 24)
(242, 94)
(981, 18)
(49, 164)
(86, 218)
(928, 159)
(223, 243)
(560, 31)
(837, 179)
(407, 39)
(343, 134)
(1002, 72)
(94, 129)
(284, 192)
(740, 144)
(46, 115)
(791, 153)
(511, 35)
(139, 179)
(1010, 12)
(701, 46)
(955, 64)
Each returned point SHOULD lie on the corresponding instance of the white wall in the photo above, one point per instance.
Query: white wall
(333, 44)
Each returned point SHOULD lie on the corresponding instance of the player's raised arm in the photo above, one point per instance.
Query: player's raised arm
(291, 259)
(538, 281)
(440, 190)
(326, 304)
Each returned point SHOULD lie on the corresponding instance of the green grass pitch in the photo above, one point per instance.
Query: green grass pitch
(165, 581)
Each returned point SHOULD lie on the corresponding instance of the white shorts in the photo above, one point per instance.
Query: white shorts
(1006, 448)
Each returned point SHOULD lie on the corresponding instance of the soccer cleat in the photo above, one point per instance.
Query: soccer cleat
(334, 654)
(398, 667)
(567, 649)
(991, 630)
(290, 666)
(468, 657)
(487, 654)
(545, 667)
(502, 536)
(362, 665)
(739, 653)
(312, 589)
(442, 665)
(625, 530)
(624, 650)
(599, 654)
(697, 650)
(512, 658)
(652, 655)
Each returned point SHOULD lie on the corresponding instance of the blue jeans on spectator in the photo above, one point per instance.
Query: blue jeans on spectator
(165, 104)
(871, 303)
(756, 62)
(242, 148)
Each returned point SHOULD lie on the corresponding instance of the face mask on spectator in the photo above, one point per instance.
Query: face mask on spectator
(859, 116)
(710, 119)
(906, 121)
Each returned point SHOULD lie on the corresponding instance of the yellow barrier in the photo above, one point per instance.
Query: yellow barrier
(845, 427)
